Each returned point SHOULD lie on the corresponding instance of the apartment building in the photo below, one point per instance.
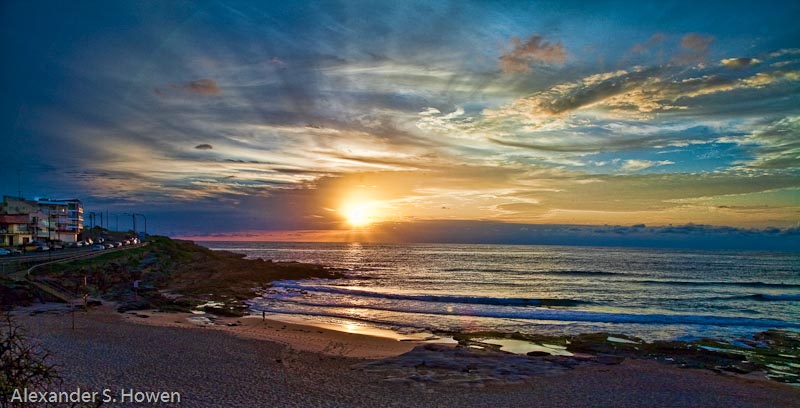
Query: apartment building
(42, 219)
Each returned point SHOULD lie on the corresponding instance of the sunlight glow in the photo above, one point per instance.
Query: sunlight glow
(360, 214)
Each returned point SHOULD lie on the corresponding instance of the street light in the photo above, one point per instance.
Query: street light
(145, 223)
(49, 221)
(133, 220)
(133, 217)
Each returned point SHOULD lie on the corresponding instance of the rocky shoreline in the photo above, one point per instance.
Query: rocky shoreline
(170, 275)
(776, 353)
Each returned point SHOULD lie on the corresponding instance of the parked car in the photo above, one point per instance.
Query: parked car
(98, 248)
(126, 242)
(31, 246)
(108, 246)
(56, 245)
(14, 251)
(117, 245)
(4, 252)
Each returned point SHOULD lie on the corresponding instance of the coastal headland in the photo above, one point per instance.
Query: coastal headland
(185, 329)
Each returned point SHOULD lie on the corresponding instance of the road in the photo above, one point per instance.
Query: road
(13, 266)
(21, 267)
(44, 255)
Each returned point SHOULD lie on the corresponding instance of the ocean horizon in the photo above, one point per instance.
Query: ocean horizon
(651, 293)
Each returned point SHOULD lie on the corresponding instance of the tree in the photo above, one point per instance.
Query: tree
(22, 363)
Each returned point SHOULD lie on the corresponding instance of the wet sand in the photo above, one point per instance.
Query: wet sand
(270, 363)
(297, 336)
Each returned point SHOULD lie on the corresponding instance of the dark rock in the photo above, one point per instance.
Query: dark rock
(224, 311)
(743, 368)
(610, 359)
(538, 354)
(140, 304)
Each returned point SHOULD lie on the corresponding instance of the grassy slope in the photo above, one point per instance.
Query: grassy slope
(178, 267)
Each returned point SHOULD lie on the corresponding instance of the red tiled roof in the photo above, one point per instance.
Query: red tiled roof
(14, 219)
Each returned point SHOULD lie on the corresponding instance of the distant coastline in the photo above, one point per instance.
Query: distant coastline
(686, 236)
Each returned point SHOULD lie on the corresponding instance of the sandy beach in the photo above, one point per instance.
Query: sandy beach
(271, 363)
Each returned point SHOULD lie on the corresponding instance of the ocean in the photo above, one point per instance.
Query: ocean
(648, 293)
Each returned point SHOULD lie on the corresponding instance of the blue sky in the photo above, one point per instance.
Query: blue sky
(291, 116)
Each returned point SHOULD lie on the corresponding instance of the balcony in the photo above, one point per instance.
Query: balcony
(3, 232)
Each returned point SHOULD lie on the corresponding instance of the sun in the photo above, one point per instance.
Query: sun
(359, 215)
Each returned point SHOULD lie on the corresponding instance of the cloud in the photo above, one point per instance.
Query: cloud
(535, 50)
(520, 207)
(695, 48)
(587, 144)
(203, 87)
(677, 236)
(662, 198)
(304, 110)
(639, 93)
(784, 52)
(775, 146)
(206, 87)
(654, 40)
(741, 62)
(636, 165)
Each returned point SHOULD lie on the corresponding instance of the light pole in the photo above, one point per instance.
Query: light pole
(49, 220)
(145, 223)
(133, 217)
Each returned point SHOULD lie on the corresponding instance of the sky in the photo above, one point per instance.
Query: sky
(335, 120)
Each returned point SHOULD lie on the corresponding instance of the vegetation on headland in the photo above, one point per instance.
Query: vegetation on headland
(172, 275)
